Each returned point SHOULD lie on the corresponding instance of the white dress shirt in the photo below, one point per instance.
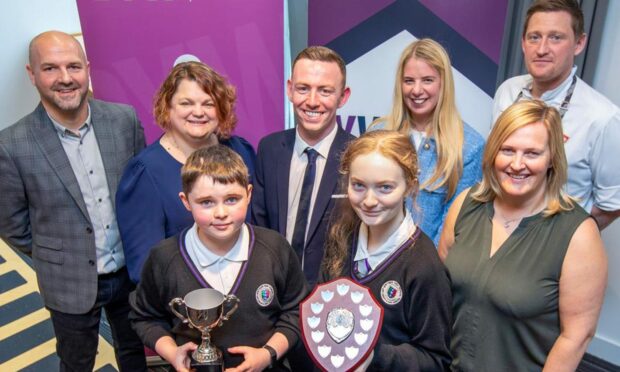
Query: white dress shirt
(299, 162)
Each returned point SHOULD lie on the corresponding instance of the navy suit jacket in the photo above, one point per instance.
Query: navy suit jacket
(270, 195)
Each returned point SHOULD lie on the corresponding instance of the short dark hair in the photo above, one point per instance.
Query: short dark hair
(219, 162)
(569, 6)
(323, 54)
(211, 82)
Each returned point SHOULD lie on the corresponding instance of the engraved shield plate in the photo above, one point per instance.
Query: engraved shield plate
(340, 323)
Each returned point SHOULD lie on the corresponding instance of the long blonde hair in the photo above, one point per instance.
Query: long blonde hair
(344, 222)
(446, 125)
(515, 117)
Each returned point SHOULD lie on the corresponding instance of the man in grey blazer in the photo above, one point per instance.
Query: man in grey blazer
(60, 167)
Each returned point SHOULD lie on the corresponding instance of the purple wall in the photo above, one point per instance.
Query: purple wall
(328, 19)
(131, 46)
(481, 21)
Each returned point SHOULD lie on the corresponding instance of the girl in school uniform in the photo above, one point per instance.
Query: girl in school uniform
(374, 241)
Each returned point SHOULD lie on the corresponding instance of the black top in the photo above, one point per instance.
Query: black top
(506, 307)
(413, 287)
(270, 286)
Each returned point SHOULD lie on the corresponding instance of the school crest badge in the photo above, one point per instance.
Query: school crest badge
(264, 294)
(391, 293)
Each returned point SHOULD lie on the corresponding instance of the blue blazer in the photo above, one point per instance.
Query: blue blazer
(270, 195)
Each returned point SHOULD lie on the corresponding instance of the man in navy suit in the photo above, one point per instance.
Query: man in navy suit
(317, 88)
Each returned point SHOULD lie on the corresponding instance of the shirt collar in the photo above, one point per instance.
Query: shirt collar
(62, 130)
(206, 258)
(398, 238)
(555, 95)
(425, 138)
(322, 147)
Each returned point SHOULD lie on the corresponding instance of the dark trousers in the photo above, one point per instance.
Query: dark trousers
(77, 335)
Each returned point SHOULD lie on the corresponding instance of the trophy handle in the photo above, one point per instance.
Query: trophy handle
(227, 300)
(173, 304)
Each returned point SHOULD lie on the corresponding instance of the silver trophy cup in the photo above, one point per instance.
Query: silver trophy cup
(204, 310)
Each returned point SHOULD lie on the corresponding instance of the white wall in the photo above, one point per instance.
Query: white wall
(606, 344)
(19, 22)
(363, 76)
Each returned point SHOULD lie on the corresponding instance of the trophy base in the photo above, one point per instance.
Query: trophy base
(195, 366)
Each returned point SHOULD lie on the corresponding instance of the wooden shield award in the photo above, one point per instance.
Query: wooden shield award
(340, 324)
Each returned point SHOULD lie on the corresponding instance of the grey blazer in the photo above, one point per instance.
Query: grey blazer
(42, 211)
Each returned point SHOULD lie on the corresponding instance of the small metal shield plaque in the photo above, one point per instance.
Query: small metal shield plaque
(340, 323)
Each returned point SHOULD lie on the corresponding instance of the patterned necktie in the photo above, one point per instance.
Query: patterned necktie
(361, 268)
(303, 209)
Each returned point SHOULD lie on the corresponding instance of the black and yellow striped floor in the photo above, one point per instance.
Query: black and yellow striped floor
(27, 340)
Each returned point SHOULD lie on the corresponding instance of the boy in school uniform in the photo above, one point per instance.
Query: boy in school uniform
(221, 251)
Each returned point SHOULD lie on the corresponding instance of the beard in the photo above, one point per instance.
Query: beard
(70, 102)
(73, 102)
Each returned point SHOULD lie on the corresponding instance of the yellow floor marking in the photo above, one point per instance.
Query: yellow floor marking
(16, 263)
(29, 357)
(105, 352)
(15, 293)
(23, 323)
(5, 268)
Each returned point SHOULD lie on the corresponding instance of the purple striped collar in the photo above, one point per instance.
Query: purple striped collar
(196, 273)
(383, 265)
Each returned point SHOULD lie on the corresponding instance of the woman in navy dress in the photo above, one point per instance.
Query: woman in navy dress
(195, 108)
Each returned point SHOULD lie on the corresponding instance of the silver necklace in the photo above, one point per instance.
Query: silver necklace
(172, 143)
(507, 223)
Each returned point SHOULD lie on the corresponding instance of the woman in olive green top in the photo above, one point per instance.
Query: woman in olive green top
(528, 265)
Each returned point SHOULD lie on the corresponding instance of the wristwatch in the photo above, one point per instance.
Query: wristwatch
(273, 354)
